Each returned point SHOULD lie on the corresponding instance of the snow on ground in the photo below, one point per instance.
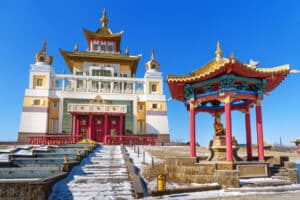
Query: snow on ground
(295, 159)
(259, 180)
(4, 157)
(24, 152)
(103, 175)
(138, 159)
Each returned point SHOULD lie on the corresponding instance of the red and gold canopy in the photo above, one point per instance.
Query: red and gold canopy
(222, 66)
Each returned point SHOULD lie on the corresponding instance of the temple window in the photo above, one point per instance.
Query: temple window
(80, 84)
(39, 82)
(54, 123)
(79, 73)
(110, 47)
(154, 88)
(95, 85)
(36, 102)
(55, 105)
(154, 106)
(141, 126)
(102, 47)
(95, 47)
(141, 108)
(101, 72)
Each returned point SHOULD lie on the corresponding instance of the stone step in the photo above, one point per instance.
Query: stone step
(281, 177)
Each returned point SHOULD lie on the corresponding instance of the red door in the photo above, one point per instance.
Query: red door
(98, 130)
(83, 126)
(113, 125)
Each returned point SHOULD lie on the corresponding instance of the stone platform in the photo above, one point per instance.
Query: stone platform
(227, 174)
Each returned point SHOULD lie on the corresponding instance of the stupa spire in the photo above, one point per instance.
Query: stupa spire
(104, 19)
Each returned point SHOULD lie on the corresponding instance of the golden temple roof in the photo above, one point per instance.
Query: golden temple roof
(221, 66)
(80, 57)
(103, 31)
(227, 65)
(215, 66)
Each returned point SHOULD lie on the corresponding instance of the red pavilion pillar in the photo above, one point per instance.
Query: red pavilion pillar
(192, 131)
(248, 135)
(121, 125)
(228, 129)
(77, 129)
(90, 126)
(260, 137)
(105, 126)
(74, 127)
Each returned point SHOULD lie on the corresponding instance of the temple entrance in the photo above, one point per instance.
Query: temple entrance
(97, 121)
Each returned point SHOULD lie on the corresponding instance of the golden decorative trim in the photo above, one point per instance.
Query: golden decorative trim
(258, 103)
(218, 50)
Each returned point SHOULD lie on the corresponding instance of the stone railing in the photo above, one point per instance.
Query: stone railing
(98, 84)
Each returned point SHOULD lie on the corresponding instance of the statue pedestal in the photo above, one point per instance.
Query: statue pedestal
(217, 148)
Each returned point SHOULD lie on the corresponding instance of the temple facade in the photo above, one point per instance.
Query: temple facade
(100, 97)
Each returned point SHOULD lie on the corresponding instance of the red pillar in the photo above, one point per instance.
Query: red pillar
(74, 127)
(77, 128)
(105, 126)
(248, 135)
(228, 129)
(90, 127)
(260, 137)
(192, 131)
(121, 125)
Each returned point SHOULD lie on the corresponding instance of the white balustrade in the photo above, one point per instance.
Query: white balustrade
(96, 84)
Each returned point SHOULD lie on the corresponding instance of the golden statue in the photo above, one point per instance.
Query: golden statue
(219, 129)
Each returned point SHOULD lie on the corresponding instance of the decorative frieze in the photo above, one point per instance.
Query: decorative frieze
(97, 108)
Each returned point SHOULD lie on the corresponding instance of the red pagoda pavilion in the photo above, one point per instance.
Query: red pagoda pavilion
(223, 85)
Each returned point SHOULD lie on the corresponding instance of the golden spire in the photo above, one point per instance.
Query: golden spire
(42, 56)
(76, 47)
(219, 50)
(104, 19)
(126, 51)
(152, 54)
(231, 57)
(44, 46)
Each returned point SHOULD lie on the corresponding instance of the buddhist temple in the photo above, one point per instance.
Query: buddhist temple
(221, 86)
(99, 99)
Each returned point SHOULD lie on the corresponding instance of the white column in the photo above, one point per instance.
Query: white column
(133, 87)
(99, 89)
(60, 114)
(122, 87)
(111, 86)
(63, 84)
(134, 115)
(88, 85)
(75, 84)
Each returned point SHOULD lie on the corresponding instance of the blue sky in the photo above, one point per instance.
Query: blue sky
(184, 36)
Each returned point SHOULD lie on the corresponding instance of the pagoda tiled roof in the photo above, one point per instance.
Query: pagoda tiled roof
(81, 56)
(218, 67)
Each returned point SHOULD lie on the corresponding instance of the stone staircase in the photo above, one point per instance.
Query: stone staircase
(279, 172)
(103, 175)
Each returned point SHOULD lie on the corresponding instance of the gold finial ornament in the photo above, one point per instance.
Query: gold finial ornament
(76, 47)
(42, 56)
(104, 19)
(218, 50)
(152, 64)
(231, 57)
(44, 46)
(152, 54)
